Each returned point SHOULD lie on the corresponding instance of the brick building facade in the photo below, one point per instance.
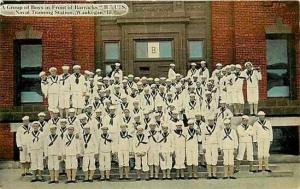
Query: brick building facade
(232, 32)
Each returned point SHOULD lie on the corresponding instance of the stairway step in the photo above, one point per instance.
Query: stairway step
(201, 175)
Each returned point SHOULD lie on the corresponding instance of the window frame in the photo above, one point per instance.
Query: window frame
(153, 59)
(291, 67)
(17, 67)
(203, 50)
(104, 51)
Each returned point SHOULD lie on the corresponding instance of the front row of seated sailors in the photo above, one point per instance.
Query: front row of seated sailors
(154, 148)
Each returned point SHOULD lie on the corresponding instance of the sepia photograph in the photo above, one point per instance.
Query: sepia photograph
(147, 94)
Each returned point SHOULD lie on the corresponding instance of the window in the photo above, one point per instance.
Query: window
(29, 65)
(153, 49)
(112, 51)
(278, 66)
(195, 48)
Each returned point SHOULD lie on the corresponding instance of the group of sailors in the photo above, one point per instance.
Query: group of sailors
(161, 123)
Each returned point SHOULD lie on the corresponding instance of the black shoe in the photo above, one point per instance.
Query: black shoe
(121, 178)
(182, 178)
(102, 179)
(189, 178)
(108, 179)
(86, 181)
(23, 175)
(151, 178)
(68, 181)
(209, 178)
(41, 180)
(232, 177)
(91, 180)
(236, 171)
(56, 182)
(214, 177)
(73, 181)
(225, 178)
(177, 178)
(252, 171)
(34, 180)
(169, 178)
(28, 174)
(138, 179)
(156, 178)
(164, 178)
(126, 178)
(259, 171)
(51, 182)
(268, 170)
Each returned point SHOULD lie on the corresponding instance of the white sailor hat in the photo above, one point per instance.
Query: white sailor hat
(106, 78)
(98, 70)
(86, 72)
(52, 69)
(52, 126)
(153, 86)
(137, 78)
(245, 117)
(117, 64)
(203, 62)
(116, 86)
(248, 63)
(76, 67)
(91, 73)
(136, 101)
(87, 94)
(169, 94)
(157, 115)
(25, 118)
(41, 114)
(144, 78)
(222, 102)
(112, 107)
(179, 123)
(139, 83)
(137, 116)
(100, 83)
(36, 122)
(156, 79)
(87, 126)
(150, 79)
(211, 117)
(261, 113)
(139, 128)
(162, 78)
(42, 73)
(238, 66)
(178, 86)
(130, 76)
(55, 111)
(70, 127)
(172, 104)
(207, 92)
(192, 94)
(177, 75)
(104, 127)
(165, 126)
(91, 79)
(209, 83)
(195, 76)
(193, 64)
(191, 122)
(65, 67)
(98, 110)
(116, 75)
(226, 121)
(71, 110)
(63, 120)
(124, 80)
(174, 112)
(172, 65)
(82, 116)
(219, 64)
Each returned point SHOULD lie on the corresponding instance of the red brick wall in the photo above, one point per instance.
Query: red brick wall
(64, 40)
(6, 142)
(244, 24)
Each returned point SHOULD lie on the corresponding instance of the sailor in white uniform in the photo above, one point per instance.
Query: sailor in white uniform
(53, 89)
(117, 71)
(64, 92)
(105, 150)
(153, 153)
(228, 145)
(263, 138)
(171, 72)
(166, 152)
(179, 144)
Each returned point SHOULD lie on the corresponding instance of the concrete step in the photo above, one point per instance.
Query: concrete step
(201, 175)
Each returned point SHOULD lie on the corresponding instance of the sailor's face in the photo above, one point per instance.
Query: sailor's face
(261, 117)
(245, 121)
(53, 130)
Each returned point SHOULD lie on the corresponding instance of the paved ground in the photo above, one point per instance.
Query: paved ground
(10, 179)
